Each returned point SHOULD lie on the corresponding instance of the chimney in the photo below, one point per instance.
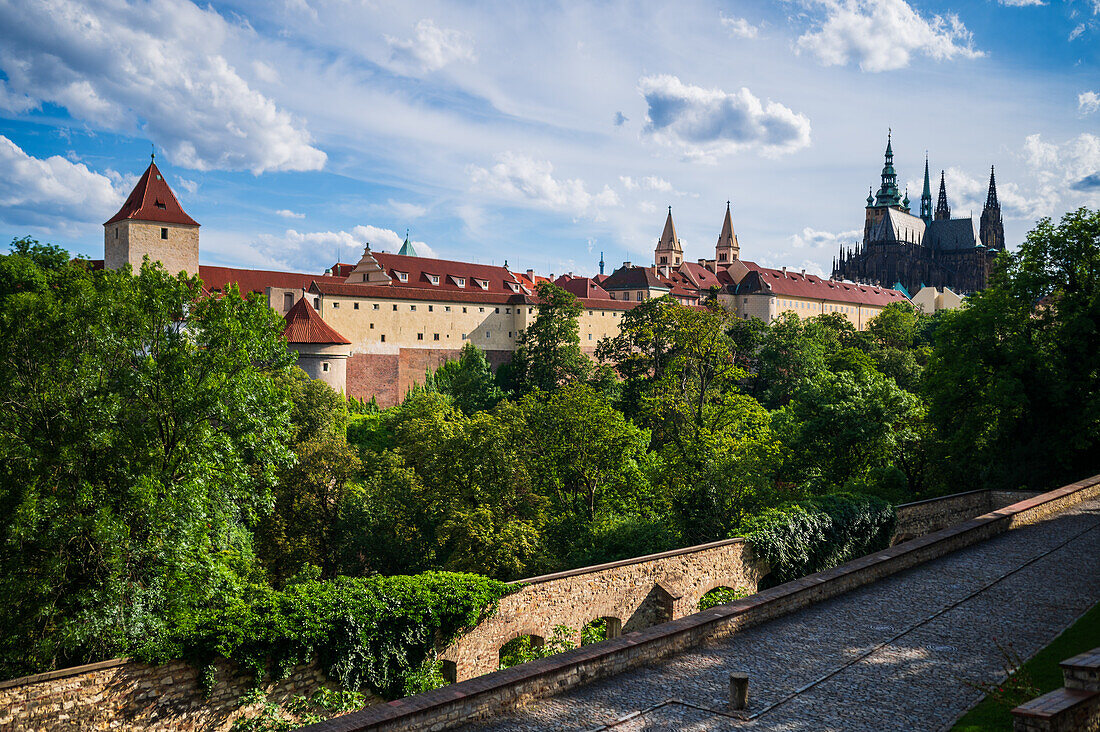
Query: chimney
(531, 275)
(803, 272)
(626, 264)
(784, 270)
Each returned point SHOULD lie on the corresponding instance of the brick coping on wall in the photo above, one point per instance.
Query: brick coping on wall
(502, 690)
(63, 672)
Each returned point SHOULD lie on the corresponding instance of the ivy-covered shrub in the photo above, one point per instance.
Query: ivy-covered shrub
(810, 535)
(372, 632)
(721, 596)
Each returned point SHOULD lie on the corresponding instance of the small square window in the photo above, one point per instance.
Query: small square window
(355, 306)
(508, 310)
(435, 336)
(481, 310)
(463, 309)
(419, 336)
(335, 305)
(412, 307)
(164, 232)
(395, 308)
(446, 308)
(375, 306)
(497, 309)
(463, 336)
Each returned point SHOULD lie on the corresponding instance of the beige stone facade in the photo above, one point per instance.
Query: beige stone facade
(176, 246)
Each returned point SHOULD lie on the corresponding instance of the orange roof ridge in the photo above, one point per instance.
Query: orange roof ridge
(153, 200)
(305, 325)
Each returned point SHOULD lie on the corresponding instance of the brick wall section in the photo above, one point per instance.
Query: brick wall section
(1073, 708)
(125, 695)
(638, 592)
(387, 376)
(504, 690)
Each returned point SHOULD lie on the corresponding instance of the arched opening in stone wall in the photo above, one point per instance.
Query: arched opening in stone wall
(720, 596)
(449, 671)
(601, 629)
(521, 649)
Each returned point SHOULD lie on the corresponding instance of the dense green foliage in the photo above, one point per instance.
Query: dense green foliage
(368, 632)
(170, 484)
(807, 536)
(720, 596)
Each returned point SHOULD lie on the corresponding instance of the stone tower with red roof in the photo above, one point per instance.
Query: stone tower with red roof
(152, 223)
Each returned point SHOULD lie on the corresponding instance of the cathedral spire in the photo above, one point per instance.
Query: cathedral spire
(992, 229)
(668, 249)
(888, 194)
(926, 196)
(943, 211)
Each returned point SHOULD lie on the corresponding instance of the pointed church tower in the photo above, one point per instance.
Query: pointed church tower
(992, 228)
(888, 194)
(727, 250)
(943, 211)
(407, 249)
(926, 196)
(668, 249)
(153, 223)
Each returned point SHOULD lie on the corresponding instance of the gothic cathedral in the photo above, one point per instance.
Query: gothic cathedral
(932, 249)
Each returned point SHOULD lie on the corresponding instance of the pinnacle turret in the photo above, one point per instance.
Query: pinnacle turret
(888, 194)
(668, 249)
(992, 229)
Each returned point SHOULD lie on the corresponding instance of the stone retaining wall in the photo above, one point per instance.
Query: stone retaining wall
(501, 691)
(125, 695)
(923, 517)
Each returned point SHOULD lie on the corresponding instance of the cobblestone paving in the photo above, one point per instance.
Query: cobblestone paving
(918, 681)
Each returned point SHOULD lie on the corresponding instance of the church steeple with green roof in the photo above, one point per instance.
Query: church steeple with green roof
(888, 194)
(407, 249)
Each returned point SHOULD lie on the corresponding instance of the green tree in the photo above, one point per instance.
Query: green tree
(469, 381)
(641, 350)
(548, 353)
(1013, 380)
(140, 436)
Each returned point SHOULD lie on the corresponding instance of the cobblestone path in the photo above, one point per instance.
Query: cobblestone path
(900, 654)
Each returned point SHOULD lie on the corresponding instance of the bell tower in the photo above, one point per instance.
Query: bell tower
(668, 251)
(153, 223)
(727, 249)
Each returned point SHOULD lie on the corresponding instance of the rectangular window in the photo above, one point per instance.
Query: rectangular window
(335, 305)
(430, 308)
(355, 306)
(372, 326)
(446, 308)
(316, 303)
(419, 336)
(324, 366)
(508, 311)
(375, 306)
(412, 307)
(164, 232)
(395, 308)
(589, 336)
(481, 310)
(486, 334)
(639, 296)
(288, 300)
(116, 232)
(463, 309)
(435, 336)
(383, 337)
(463, 336)
(496, 309)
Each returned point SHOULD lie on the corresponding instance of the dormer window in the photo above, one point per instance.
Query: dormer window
(513, 286)
(402, 276)
(434, 279)
(160, 204)
(483, 284)
(459, 281)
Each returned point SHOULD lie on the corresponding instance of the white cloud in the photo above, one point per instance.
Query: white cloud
(520, 178)
(739, 27)
(288, 214)
(815, 239)
(649, 183)
(313, 251)
(407, 210)
(1021, 3)
(153, 69)
(1076, 32)
(1088, 102)
(54, 193)
(1073, 165)
(188, 185)
(883, 35)
(706, 123)
(431, 49)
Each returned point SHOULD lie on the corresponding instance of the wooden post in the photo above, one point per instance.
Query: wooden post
(739, 691)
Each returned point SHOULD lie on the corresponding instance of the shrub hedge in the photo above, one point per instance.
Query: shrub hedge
(369, 632)
(807, 536)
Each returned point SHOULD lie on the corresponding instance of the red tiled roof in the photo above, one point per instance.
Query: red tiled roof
(254, 280)
(327, 286)
(633, 278)
(419, 270)
(304, 325)
(794, 284)
(152, 200)
(583, 287)
(703, 277)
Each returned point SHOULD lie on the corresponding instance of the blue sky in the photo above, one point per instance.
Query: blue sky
(538, 133)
